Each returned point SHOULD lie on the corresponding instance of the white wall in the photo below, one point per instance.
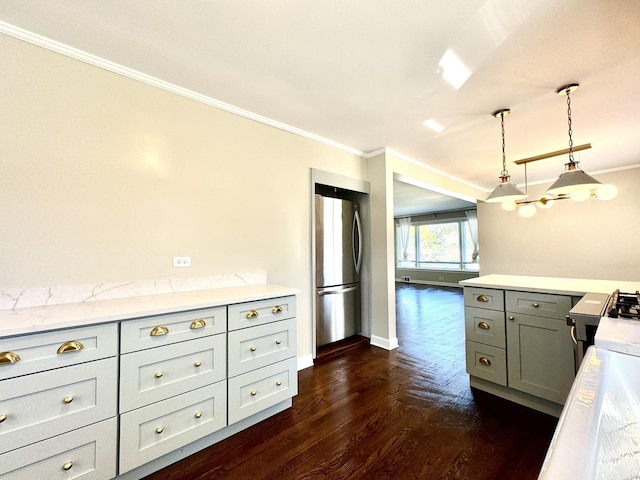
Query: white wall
(104, 179)
(591, 239)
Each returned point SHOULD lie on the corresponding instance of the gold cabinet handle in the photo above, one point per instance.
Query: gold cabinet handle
(482, 298)
(278, 342)
(159, 374)
(67, 466)
(198, 414)
(200, 323)
(197, 364)
(484, 361)
(277, 309)
(3, 417)
(7, 358)
(253, 393)
(253, 349)
(484, 326)
(159, 430)
(158, 331)
(536, 305)
(68, 399)
(511, 317)
(71, 346)
(252, 314)
(278, 383)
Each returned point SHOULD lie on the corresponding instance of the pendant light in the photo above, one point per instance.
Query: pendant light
(573, 179)
(506, 191)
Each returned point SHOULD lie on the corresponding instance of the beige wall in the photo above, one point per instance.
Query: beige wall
(104, 179)
(592, 239)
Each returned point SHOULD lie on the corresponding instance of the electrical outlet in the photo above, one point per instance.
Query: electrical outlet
(180, 262)
(440, 278)
(406, 279)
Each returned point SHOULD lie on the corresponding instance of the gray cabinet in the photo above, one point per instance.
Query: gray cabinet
(519, 347)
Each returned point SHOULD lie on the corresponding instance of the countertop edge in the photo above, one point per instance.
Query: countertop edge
(40, 319)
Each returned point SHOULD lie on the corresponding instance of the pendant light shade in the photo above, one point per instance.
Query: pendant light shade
(506, 191)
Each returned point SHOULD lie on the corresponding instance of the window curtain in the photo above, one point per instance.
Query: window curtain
(472, 220)
(404, 223)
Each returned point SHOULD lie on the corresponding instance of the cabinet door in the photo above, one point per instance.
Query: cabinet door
(540, 358)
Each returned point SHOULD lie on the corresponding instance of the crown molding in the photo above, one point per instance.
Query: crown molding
(77, 54)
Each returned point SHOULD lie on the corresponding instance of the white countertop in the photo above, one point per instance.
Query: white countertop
(557, 285)
(619, 335)
(38, 319)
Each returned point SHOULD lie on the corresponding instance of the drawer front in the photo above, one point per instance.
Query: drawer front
(485, 326)
(88, 453)
(171, 328)
(39, 352)
(484, 298)
(539, 304)
(259, 346)
(45, 404)
(155, 430)
(149, 376)
(249, 314)
(259, 389)
(485, 361)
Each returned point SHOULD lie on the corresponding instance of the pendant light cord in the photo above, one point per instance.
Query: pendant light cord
(504, 172)
(570, 130)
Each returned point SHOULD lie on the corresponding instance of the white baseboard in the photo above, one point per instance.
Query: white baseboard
(305, 362)
(387, 344)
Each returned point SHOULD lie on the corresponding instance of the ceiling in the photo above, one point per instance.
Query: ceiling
(366, 74)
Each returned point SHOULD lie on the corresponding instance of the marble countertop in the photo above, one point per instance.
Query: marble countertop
(557, 285)
(598, 434)
(37, 319)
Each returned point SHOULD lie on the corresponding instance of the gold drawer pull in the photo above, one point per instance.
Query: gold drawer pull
(7, 358)
(252, 314)
(158, 331)
(3, 417)
(278, 342)
(536, 305)
(200, 323)
(253, 393)
(278, 383)
(67, 466)
(198, 414)
(68, 399)
(484, 361)
(159, 430)
(482, 298)
(253, 349)
(68, 347)
(197, 364)
(159, 374)
(484, 326)
(277, 309)
(511, 317)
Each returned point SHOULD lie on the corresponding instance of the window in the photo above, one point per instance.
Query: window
(437, 245)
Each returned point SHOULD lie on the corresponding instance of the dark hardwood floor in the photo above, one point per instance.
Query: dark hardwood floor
(367, 413)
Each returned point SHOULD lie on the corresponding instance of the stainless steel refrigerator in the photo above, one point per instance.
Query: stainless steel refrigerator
(338, 261)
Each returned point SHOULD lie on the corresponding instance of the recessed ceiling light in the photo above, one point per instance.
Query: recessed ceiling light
(453, 70)
(433, 125)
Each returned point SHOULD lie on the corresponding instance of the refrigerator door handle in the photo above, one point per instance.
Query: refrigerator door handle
(336, 291)
(357, 260)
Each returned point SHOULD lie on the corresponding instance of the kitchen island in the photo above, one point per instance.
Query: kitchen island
(518, 343)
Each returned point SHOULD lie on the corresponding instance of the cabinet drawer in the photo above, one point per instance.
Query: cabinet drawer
(88, 453)
(485, 326)
(171, 328)
(243, 315)
(538, 304)
(150, 432)
(485, 361)
(39, 351)
(252, 392)
(259, 346)
(149, 376)
(42, 405)
(484, 298)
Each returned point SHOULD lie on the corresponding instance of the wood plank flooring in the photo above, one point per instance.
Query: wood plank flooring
(372, 414)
